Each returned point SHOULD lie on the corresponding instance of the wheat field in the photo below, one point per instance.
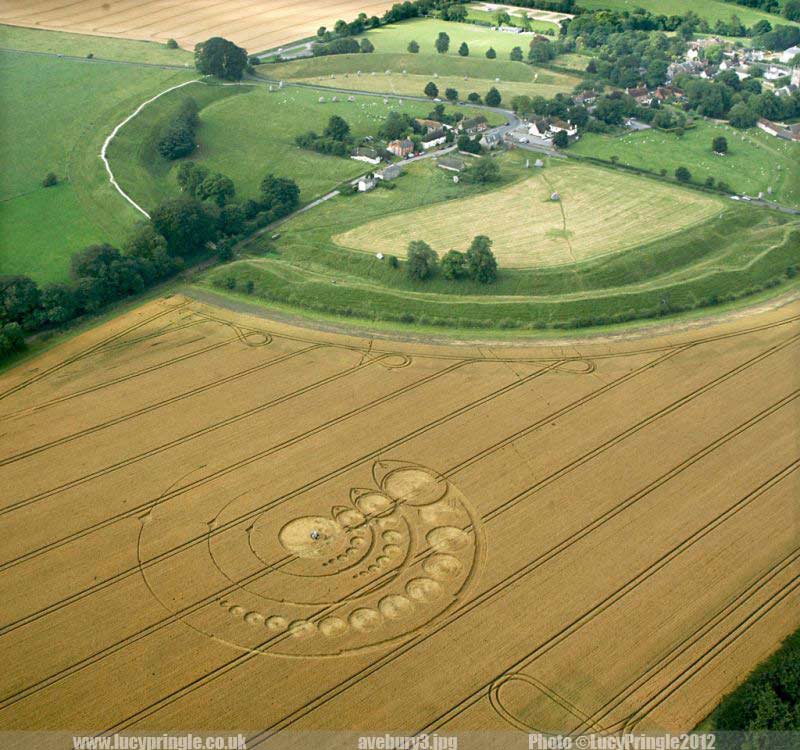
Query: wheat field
(217, 522)
(255, 25)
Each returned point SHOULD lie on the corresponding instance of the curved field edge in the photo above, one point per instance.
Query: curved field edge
(246, 131)
(598, 213)
(346, 293)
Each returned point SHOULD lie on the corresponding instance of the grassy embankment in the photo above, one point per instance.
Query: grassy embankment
(737, 252)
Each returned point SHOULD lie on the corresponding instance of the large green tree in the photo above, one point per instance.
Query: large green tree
(221, 58)
(493, 97)
(279, 195)
(185, 224)
(454, 265)
(421, 260)
(337, 129)
(480, 260)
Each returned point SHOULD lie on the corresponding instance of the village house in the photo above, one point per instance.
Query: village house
(640, 93)
(492, 140)
(774, 72)
(753, 55)
(556, 126)
(539, 128)
(789, 54)
(666, 93)
(432, 124)
(546, 129)
(366, 183)
(585, 97)
(452, 164)
(401, 148)
(473, 125)
(689, 67)
(787, 133)
(392, 172)
(433, 138)
(511, 29)
(368, 155)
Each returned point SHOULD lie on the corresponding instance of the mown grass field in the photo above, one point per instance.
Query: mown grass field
(245, 133)
(738, 251)
(395, 38)
(755, 160)
(406, 74)
(712, 10)
(62, 111)
(80, 45)
(599, 213)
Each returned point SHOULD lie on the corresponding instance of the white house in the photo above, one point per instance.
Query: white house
(368, 155)
(365, 184)
(768, 127)
(788, 54)
(539, 128)
(774, 72)
(431, 139)
(556, 126)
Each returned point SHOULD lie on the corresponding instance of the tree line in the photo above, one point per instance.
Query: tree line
(478, 263)
(179, 231)
(768, 700)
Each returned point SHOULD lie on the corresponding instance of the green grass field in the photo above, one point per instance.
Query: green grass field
(395, 38)
(755, 160)
(463, 74)
(80, 45)
(245, 133)
(536, 25)
(738, 251)
(62, 111)
(712, 10)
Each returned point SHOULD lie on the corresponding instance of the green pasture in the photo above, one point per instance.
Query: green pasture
(394, 38)
(755, 160)
(247, 132)
(711, 10)
(81, 45)
(407, 75)
(57, 113)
